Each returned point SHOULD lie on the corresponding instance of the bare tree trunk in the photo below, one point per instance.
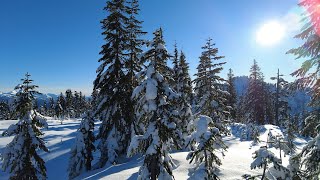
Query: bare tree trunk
(264, 170)
(154, 168)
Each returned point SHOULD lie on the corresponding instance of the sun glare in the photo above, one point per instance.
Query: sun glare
(270, 33)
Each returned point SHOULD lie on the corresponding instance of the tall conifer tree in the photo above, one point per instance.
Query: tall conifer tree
(255, 95)
(308, 75)
(210, 96)
(308, 160)
(154, 114)
(111, 84)
(20, 156)
(232, 96)
(184, 89)
(184, 81)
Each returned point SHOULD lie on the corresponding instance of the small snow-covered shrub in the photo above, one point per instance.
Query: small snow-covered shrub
(205, 142)
(263, 158)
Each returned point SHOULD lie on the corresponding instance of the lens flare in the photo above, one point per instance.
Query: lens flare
(270, 33)
(312, 8)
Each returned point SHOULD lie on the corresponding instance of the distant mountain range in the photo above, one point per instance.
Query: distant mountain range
(298, 101)
(40, 98)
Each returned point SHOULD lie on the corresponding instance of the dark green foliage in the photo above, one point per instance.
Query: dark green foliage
(307, 162)
(94, 101)
(254, 99)
(60, 107)
(281, 105)
(184, 81)
(5, 112)
(176, 67)
(268, 105)
(232, 96)
(311, 122)
(69, 103)
(290, 134)
(211, 99)
(308, 73)
(116, 77)
(134, 63)
(51, 108)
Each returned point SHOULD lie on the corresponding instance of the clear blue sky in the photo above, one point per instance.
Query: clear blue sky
(59, 41)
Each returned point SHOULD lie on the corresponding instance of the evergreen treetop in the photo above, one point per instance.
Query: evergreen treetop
(211, 99)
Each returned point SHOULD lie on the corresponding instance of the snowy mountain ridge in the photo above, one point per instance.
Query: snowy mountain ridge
(298, 100)
(41, 98)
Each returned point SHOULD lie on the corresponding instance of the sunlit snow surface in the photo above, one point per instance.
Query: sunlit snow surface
(59, 139)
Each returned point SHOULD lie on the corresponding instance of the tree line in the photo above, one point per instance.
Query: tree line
(67, 105)
(147, 107)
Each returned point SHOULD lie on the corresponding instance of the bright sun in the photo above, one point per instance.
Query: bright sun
(270, 33)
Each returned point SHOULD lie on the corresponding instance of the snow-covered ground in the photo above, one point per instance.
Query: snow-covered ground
(60, 138)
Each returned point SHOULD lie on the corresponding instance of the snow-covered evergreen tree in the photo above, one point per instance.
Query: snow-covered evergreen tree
(111, 83)
(290, 135)
(58, 110)
(310, 122)
(181, 83)
(69, 110)
(205, 142)
(20, 156)
(281, 105)
(242, 115)
(60, 107)
(255, 95)
(176, 68)
(76, 104)
(268, 103)
(94, 101)
(81, 152)
(184, 82)
(51, 108)
(44, 109)
(184, 89)
(5, 112)
(255, 135)
(307, 163)
(232, 97)
(251, 133)
(211, 99)
(262, 158)
(154, 114)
